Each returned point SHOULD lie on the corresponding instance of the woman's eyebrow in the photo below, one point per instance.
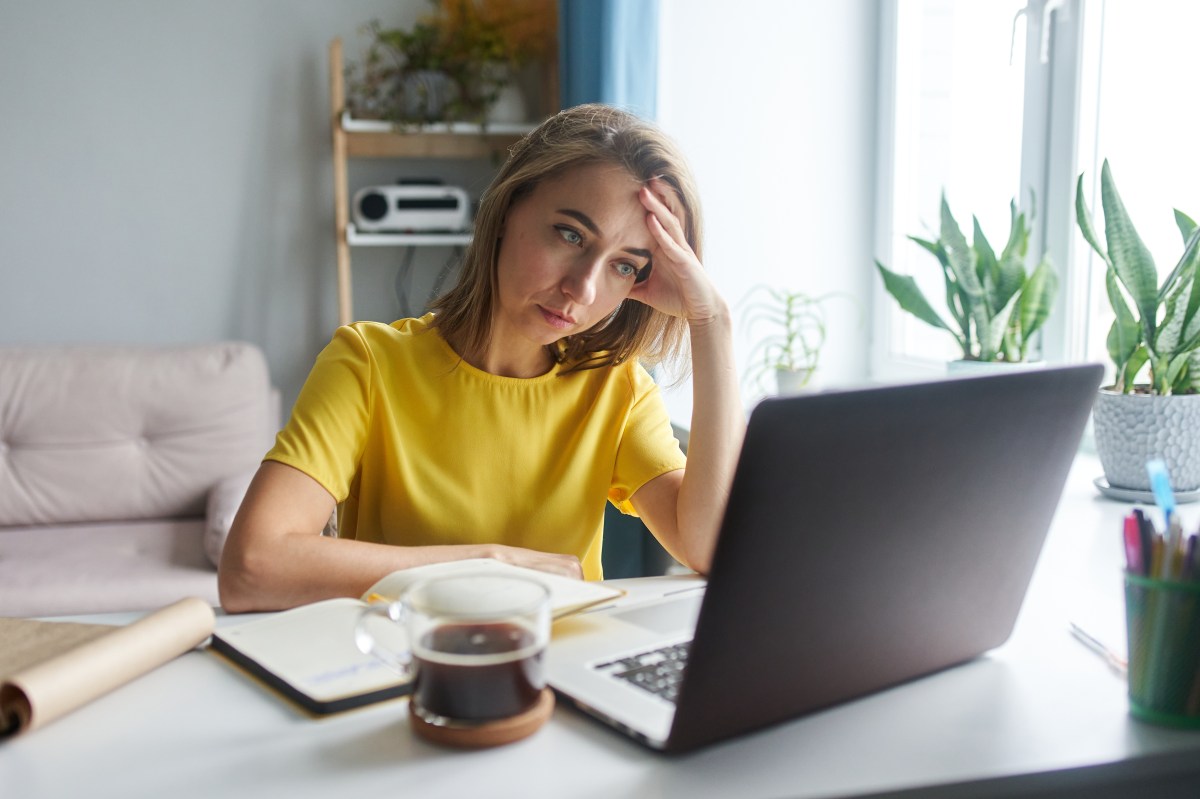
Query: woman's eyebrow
(587, 222)
(581, 218)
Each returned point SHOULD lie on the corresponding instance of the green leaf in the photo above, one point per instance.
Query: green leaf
(991, 338)
(1176, 372)
(1018, 234)
(986, 269)
(962, 263)
(905, 291)
(933, 247)
(1180, 327)
(1189, 382)
(1185, 268)
(1037, 299)
(1185, 224)
(1130, 369)
(1126, 333)
(1130, 258)
(1084, 219)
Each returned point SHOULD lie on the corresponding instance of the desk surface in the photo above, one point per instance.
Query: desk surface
(1040, 715)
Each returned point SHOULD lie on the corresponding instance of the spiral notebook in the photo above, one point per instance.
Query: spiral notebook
(308, 653)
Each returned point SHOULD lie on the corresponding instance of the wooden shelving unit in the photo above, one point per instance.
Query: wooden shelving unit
(357, 139)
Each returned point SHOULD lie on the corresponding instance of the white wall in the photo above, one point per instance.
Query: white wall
(165, 172)
(774, 104)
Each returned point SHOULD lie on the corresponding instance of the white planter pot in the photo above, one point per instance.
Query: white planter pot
(793, 381)
(960, 367)
(425, 95)
(1134, 428)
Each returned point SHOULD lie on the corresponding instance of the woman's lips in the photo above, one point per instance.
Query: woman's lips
(556, 320)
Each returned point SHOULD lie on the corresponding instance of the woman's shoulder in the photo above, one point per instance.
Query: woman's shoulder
(382, 342)
(381, 334)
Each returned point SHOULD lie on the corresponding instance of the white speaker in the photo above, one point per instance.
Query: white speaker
(406, 208)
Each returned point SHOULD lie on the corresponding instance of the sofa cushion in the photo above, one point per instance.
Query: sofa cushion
(103, 568)
(97, 433)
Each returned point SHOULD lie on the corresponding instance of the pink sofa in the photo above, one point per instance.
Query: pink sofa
(120, 471)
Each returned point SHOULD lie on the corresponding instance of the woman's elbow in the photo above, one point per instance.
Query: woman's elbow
(240, 577)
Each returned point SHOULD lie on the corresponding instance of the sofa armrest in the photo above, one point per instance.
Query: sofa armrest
(224, 499)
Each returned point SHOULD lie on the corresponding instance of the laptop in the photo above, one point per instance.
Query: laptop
(871, 537)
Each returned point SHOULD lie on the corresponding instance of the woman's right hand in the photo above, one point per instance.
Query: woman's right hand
(552, 562)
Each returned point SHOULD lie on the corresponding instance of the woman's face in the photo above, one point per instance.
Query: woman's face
(570, 251)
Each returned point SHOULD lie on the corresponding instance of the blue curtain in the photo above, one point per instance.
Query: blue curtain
(608, 53)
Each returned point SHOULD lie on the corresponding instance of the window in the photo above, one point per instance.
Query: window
(958, 107)
(991, 100)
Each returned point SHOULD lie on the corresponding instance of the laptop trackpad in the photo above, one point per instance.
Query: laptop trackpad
(674, 615)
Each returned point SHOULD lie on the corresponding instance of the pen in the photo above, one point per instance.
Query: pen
(1146, 538)
(1115, 661)
(1133, 541)
(1160, 484)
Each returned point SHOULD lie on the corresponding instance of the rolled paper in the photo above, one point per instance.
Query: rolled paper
(43, 692)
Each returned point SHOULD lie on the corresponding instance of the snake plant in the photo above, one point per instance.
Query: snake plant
(1162, 327)
(994, 306)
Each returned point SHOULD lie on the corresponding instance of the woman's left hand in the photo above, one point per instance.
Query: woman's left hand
(678, 285)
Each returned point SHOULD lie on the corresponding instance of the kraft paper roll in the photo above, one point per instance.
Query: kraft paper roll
(41, 693)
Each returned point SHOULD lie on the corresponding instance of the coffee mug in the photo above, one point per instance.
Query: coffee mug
(473, 645)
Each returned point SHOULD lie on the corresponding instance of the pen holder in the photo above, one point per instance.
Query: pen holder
(1163, 625)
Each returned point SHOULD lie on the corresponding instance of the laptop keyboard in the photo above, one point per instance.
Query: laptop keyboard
(659, 671)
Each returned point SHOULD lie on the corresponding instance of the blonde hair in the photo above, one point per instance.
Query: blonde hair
(579, 136)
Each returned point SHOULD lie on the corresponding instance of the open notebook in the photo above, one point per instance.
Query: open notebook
(308, 653)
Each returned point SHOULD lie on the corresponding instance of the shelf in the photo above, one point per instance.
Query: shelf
(352, 125)
(364, 239)
(369, 138)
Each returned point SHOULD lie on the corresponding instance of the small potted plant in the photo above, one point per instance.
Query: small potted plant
(789, 352)
(451, 65)
(1156, 331)
(995, 307)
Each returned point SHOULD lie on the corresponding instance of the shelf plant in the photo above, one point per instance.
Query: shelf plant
(452, 64)
(1156, 329)
(793, 329)
(995, 308)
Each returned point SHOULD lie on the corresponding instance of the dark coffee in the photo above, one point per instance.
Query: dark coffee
(478, 672)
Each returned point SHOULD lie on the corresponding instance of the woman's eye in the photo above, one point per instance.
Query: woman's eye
(569, 235)
(626, 269)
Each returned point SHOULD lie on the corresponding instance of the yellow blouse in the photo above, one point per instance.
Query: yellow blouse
(419, 447)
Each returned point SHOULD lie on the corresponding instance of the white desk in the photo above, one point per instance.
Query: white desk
(1040, 716)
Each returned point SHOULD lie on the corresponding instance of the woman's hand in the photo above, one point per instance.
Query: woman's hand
(552, 562)
(678, 285)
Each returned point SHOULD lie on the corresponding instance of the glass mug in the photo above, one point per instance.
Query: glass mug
(474, 645)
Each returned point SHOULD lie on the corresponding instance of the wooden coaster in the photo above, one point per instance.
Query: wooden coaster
(486, 733)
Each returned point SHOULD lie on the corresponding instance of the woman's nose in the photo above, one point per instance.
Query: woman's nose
(580, 282)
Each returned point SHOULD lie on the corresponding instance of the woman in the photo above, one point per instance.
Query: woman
(499, 425)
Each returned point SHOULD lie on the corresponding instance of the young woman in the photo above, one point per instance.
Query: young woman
(500, 424)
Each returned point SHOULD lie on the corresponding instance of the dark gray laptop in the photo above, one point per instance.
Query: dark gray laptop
(871, 537)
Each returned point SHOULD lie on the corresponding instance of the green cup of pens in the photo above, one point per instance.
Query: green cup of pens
(1162, 612)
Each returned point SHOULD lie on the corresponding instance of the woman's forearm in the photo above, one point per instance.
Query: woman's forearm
(715, 438)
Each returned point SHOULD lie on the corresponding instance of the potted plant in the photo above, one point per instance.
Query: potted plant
(790, 350)
(1156, 330)
(451, 65)
(994, 307)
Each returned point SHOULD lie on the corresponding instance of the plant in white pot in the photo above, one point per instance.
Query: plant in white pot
(995, 307)
(792, 329)
(1156, 330)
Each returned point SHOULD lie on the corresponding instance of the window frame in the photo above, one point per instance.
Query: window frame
(1053, 113)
